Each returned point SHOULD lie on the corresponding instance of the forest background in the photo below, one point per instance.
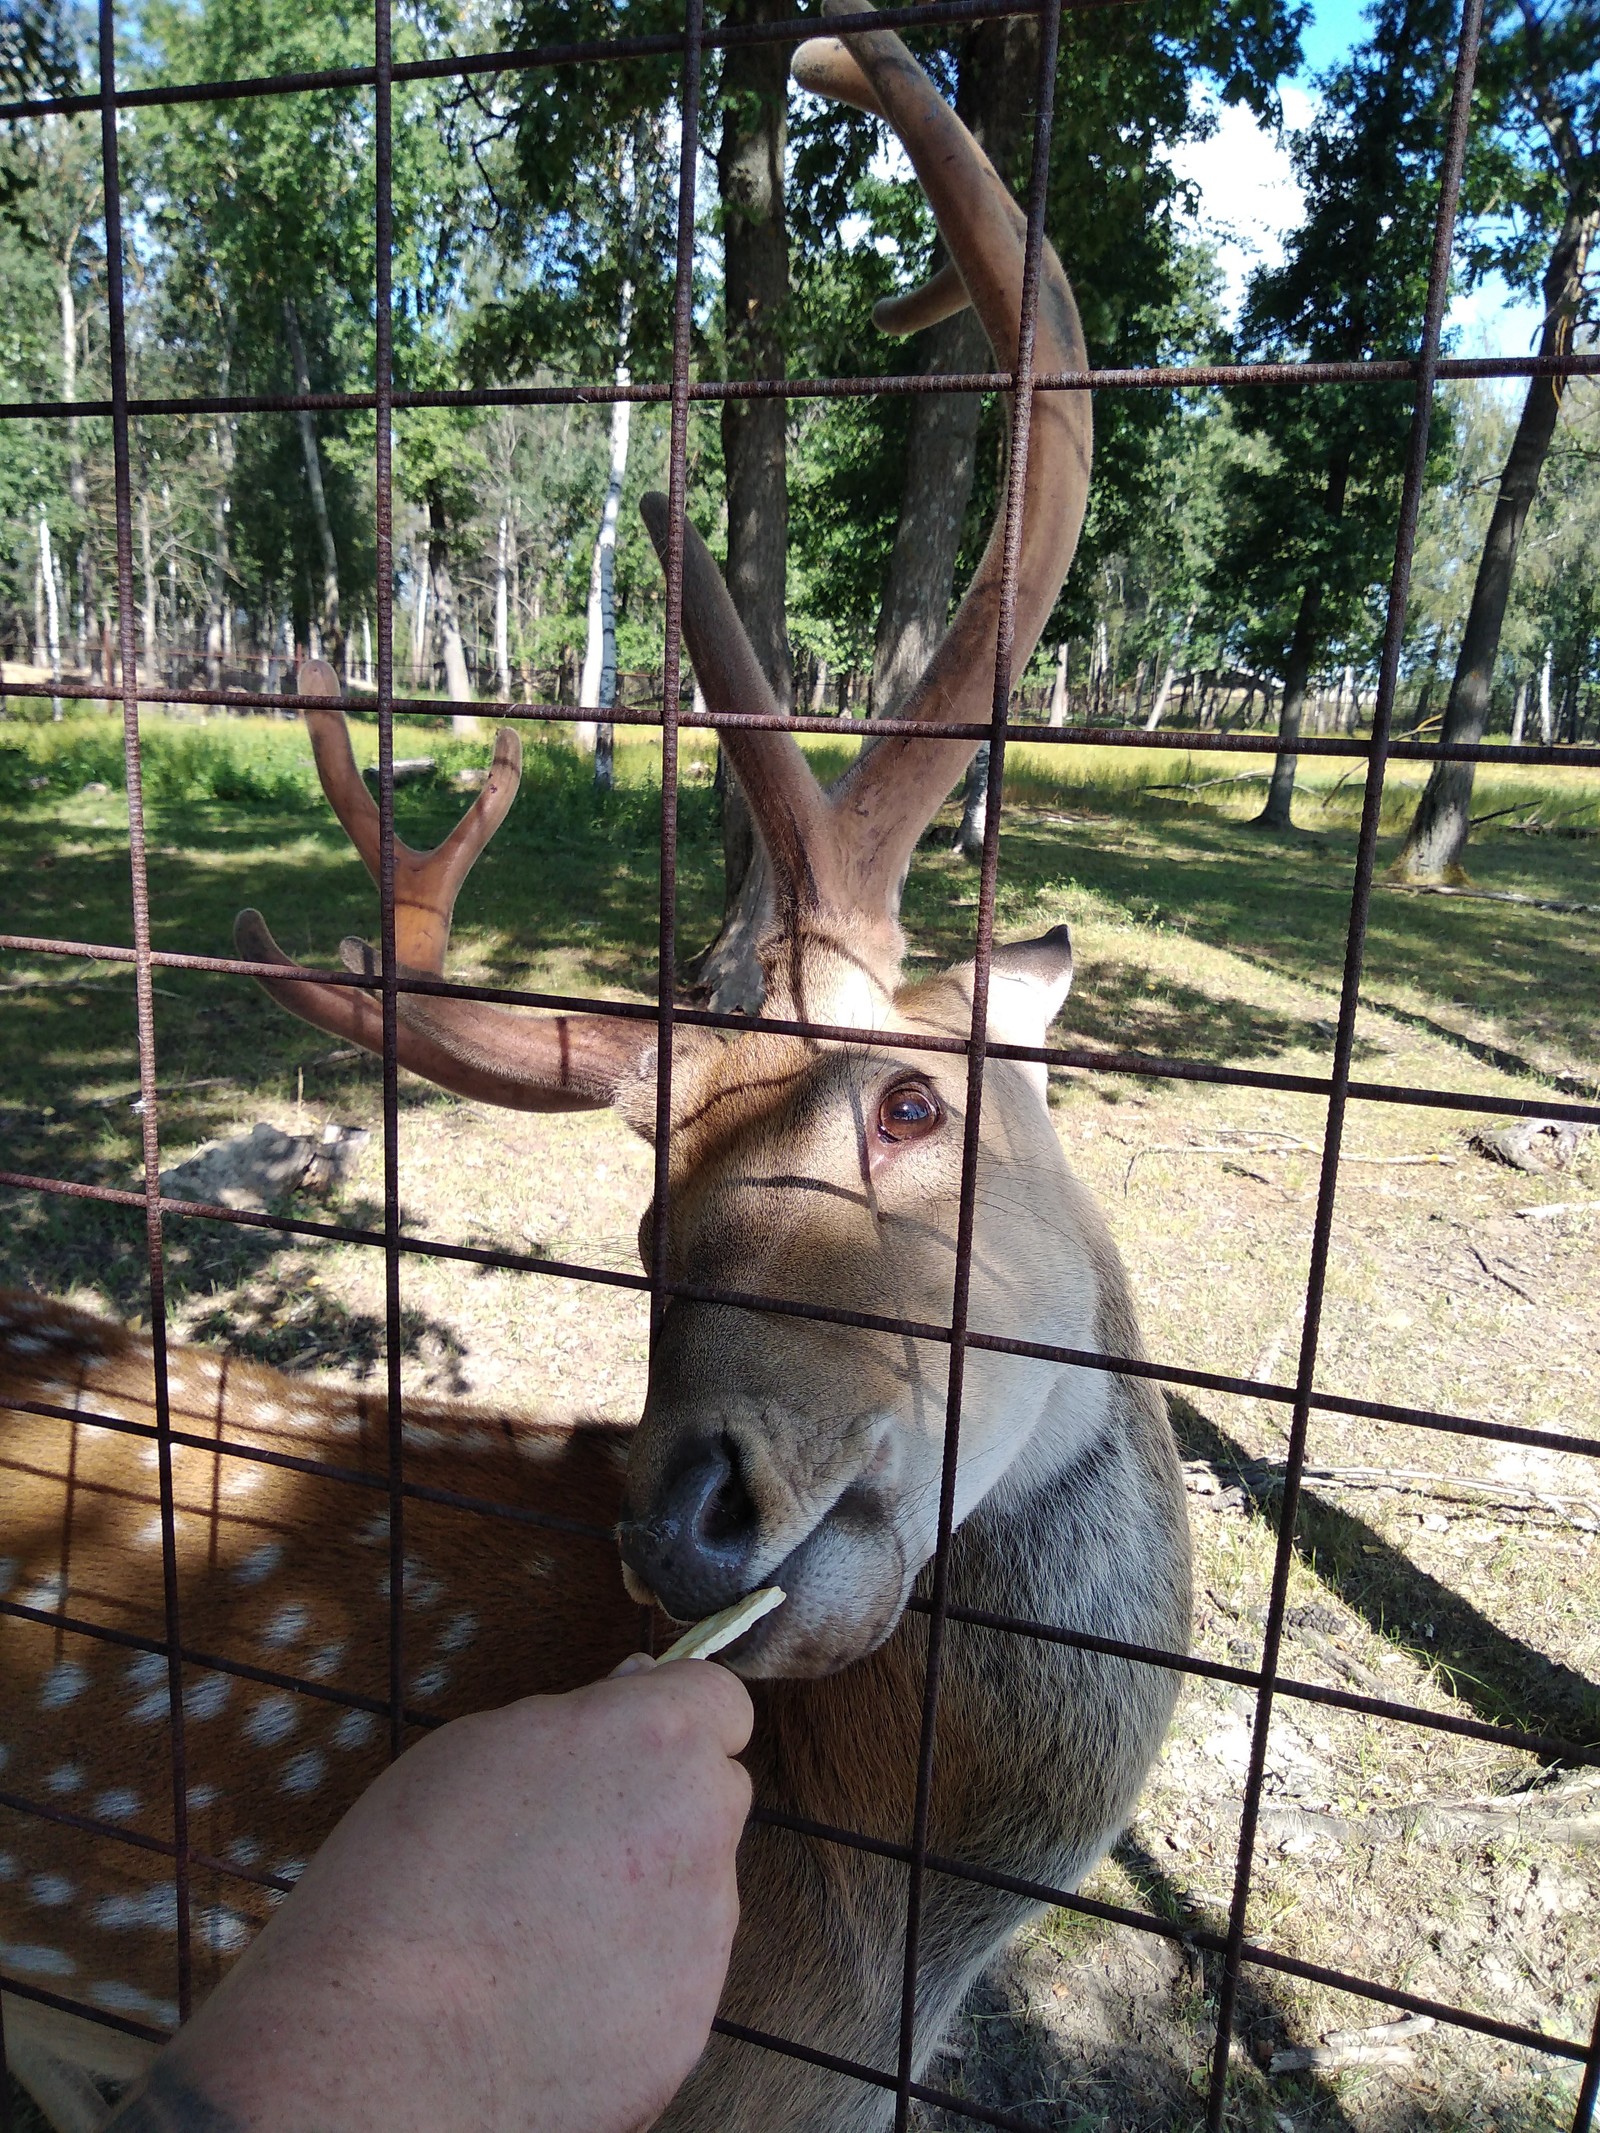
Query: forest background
(1235, 564)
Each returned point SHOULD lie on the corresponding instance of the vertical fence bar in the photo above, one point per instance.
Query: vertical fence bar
(1017, 477)
(383, 388)
(144, 993)
(1344, 1040)
(677, 484)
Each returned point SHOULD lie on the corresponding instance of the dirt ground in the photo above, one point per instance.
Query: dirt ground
(1429, 1569)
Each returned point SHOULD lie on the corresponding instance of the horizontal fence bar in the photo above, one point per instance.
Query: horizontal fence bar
(605, 51)
(1089, 1058)
(137, 1840)
(1127, 377)
(1554, 755)
(317, 1469)
(1192, 1935)
(131, 1640)
(1551, 1747)
(43, 1997)
(830, 1314)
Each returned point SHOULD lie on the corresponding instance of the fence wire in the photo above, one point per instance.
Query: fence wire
(1339, 1087)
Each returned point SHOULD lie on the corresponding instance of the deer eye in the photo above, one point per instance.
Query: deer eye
(910, 1112)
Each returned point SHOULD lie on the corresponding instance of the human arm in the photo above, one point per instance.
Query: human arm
(524, 1924)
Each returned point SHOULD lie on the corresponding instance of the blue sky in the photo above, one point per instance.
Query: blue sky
(1249, 199)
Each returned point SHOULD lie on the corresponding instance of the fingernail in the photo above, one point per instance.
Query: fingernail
(635, 1663)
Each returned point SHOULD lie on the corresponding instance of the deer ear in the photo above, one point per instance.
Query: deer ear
(1028, 985)
(1028, 981)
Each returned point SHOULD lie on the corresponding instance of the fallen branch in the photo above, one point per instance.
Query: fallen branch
(1557, 1207)
(1505, 1280)
(1491, 896)
(1384, 2044)
(1263, 1477)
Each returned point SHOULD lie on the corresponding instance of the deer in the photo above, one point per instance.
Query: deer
(774, 1447)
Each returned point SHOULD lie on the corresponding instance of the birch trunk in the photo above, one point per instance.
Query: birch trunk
(1059, 698)
(147, 613)
(52, 608)
(1547, 729)
(502, 638)
(597, 687)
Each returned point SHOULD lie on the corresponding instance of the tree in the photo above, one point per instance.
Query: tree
(1311, 520)
(1541, 66)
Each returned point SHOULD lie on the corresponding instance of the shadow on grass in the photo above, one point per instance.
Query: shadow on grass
(1498, 1676)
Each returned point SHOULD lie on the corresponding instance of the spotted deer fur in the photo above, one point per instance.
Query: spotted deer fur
(773, 1447)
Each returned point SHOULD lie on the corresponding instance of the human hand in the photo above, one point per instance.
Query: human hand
(524, 1924)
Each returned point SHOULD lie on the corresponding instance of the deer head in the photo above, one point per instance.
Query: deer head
(776, 1449)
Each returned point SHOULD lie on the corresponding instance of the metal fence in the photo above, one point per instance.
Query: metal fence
(1339, 1086)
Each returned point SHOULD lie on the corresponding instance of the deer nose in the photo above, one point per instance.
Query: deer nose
(694, 1546)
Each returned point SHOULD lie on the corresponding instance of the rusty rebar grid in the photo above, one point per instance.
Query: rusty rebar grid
(1338, 1087)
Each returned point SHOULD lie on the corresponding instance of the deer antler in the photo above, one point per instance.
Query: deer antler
(552, 1063)
(850, 849)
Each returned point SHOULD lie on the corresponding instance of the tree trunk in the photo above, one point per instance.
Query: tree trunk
(597, 688)
(457, 684)
(755, 254)
(1546, 728)
(974, 807)
(1519, 711)
(421, 662)
(1278, 812)
(147, 612)
(1060, 697)
(51, 608)
(1437, 837)
(502, 637)
(332, 635)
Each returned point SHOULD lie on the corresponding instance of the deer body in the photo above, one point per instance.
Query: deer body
(773, 1448)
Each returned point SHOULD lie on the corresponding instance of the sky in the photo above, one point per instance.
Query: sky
(1249, 198)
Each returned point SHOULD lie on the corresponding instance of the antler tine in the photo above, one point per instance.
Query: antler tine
(426, 884)
(788, 804)
(496, 1055)
(895, 789)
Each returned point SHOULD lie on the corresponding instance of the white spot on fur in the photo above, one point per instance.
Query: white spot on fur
(432, 1681)
(145, 1669)
(375, 1530)
(199, 1797)
(354, 1729)
(289, 1869)
(243, 1851)
(117, 1805)
(67, 1778)
(287, 1626)
(206, 1698)
(65, 1682)
(8, 1866)
(459, 1631)
(130, 2000)
(51, 1891)
(243, 1480)
(8, 1572)
(149, 1534)
(304, 1773)
(49, 1591)
(153, 1707)
(27, 1344)
(273, 1719)
(325, 1661)
(154, 1909)
(259, 1563)
(223, 1931)
(36, 1962)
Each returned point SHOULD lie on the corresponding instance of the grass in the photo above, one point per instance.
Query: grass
(1196, 936)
